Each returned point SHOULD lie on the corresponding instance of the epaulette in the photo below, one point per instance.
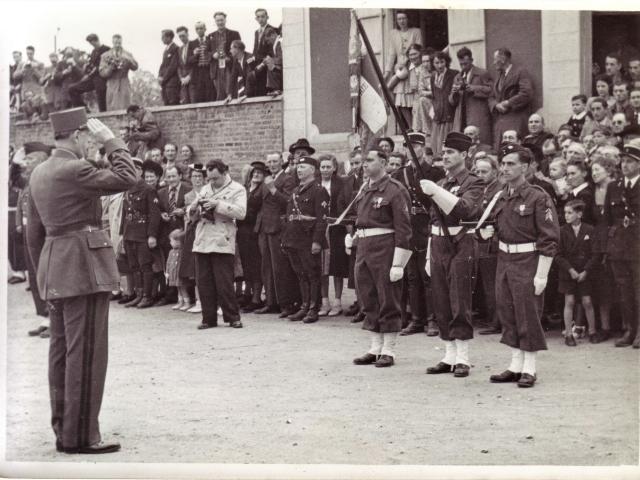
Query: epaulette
(396, 182)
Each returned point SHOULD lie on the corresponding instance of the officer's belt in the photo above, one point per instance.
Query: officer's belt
(300, 218)
(517, 247)
(372, 232)
(439, 232)
(68, 229)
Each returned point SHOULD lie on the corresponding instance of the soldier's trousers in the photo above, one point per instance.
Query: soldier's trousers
(214, 278)
(419, 291)
(307, 268)
(452, 266)
(77, 367)
(626, 276)
(280, 283)
(519, 309)
(378, 296)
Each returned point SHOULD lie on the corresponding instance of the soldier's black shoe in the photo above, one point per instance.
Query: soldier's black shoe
(161, 302)
(625, 340)
(358, 318)
(126, 298)
(412, 329)
(311, 317)
(461, 370)
(146, 302)
(115, 297)
(299, 315)
(287, 310)
(204, 326)
(505, 377)
(441, 367)
(134, 301)
(267, 309)
(36, 331)
(526, 380)
(432, 329)
(492, 330)
(236, 324)
(384, 361)
(636, 342)
(95, 449)
(352, 310)
(570, 341)
(45, 333)
(603, 335)
(366, 359)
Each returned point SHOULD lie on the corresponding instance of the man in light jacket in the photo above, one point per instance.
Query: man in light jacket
(221, 202)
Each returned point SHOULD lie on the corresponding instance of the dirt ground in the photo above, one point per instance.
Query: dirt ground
(283, 392)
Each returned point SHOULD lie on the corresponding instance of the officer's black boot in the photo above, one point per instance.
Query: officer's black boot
(304, 308)
(314, 303)
(147, 282)
(137, 288)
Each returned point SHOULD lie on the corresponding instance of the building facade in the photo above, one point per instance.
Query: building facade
(558, 48)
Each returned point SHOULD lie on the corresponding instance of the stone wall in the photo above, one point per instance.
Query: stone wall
(235, 133)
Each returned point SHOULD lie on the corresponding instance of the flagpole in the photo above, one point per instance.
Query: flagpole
(399, 119)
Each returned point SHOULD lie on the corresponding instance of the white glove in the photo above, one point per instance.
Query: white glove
(427, 266)
(487, 232)
(396, 273)
(428, 187)
(539, 284)
(348, 243)
(542, 273)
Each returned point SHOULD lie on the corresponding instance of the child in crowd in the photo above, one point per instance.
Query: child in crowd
(579, 108)
(173, 270)
(575, 260)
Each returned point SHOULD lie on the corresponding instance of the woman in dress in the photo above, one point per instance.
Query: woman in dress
(248, 239)
(422, 104)
(443, 110)
(400, 39)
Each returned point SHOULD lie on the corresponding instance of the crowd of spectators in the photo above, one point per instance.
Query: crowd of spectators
(207, 68)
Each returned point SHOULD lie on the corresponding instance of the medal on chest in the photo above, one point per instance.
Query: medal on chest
(377, 202)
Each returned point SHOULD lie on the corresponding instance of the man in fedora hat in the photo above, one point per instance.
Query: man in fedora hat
(622, 215)
(76, 271)
(451, 260)
(298, 149)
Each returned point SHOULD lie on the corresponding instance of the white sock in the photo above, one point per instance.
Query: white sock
(376, 343)
(529, 365)
(517, 359)
(462, 352)
(389, 344)
(449, 353)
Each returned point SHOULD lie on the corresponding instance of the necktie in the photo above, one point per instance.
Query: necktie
(172, 199)
(501, 80)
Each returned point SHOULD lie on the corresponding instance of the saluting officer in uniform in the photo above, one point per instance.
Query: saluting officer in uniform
(622, 214)
(418, 280)
(76, 271)
(139, 228)
(304, 236)
(452, 257)
(383, 228)
(528, 236)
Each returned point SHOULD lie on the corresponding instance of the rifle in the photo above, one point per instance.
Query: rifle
(403, 126)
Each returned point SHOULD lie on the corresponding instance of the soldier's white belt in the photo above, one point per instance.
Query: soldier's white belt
(439, 232)
(517, 247)
(372, 232)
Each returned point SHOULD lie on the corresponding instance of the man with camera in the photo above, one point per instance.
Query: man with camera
(29, 73)
(144, 132)
(114, 66)
(220, 203)
(91, 79)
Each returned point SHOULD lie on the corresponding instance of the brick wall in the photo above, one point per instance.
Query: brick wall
(235, 133)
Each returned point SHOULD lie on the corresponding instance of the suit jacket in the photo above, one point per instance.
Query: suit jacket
(169, 66)
(576, 252)
(475, 101)
(65, 198)
(262, 48)
(619, 204)
(174, 222)
(443, 109)
(337, 186)
(275, 206)
(194, 58)
(242, 80)
(185, 66)
(587, 196)
(223, 40)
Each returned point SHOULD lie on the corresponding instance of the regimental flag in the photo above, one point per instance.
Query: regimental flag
(369, 114)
